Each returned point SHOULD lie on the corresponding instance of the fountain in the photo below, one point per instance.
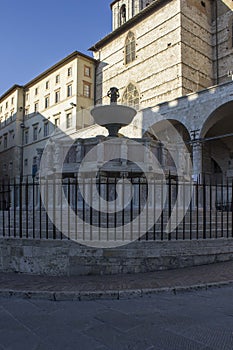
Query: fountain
(113, 117)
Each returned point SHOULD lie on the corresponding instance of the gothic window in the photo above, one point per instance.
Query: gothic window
(122, 14)
(130, 48)
(131, 96)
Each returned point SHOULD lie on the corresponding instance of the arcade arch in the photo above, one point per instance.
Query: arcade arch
(216, 138)
(175, 145)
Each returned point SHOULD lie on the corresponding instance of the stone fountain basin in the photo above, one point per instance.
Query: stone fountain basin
(113, 114)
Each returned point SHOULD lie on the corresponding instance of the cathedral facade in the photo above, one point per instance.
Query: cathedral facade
(176, 58)
(165, 49)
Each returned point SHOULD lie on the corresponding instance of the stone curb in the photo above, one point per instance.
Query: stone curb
(106, 294)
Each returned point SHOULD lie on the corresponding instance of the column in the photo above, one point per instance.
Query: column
(197, 161)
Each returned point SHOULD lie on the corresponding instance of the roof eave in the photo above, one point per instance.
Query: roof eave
(127, 25)
(9, 91)
(67, 59)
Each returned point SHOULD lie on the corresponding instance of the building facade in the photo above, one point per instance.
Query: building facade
(173, 60)
(161, 50)
(11, 117)
(160, 53)
(56, 99)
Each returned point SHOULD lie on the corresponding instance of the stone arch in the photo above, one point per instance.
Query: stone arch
(217, 141)
(161, 126)
(174, 139)
(131, 96)
(130, 48)
(220, 112)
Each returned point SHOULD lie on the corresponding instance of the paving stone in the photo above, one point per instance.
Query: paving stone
(119, 320)
(158, 322)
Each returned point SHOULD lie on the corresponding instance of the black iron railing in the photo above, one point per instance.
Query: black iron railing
(106, 209)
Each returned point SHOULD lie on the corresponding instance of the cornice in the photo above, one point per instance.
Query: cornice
(147, 11)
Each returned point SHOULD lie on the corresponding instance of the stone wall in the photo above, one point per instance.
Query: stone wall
(196, 45)
(223, 48)
(69, 258)
(177, 51)
(156, 71)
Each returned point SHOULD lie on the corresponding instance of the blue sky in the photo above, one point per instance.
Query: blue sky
(37, 34)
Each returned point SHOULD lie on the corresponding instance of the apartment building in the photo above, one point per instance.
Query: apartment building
(29, 114)
(11, 119)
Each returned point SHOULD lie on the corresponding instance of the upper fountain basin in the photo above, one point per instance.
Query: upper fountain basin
(113, 114)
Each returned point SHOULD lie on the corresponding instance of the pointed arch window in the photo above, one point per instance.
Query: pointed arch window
(122, 14)
(130, 48)
(131, 96)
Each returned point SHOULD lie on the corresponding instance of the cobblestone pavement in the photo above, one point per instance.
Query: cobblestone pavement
(115, 286)
(194, 320)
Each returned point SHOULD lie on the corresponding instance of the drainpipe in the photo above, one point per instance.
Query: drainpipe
(95, 73)
(22, 127)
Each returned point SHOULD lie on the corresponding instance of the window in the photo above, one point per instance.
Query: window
(34, 166)
(68, 120)
(46, 102)
(57, 96)
(46, 129)
(36, 107)
(6, 105)
(130, 48)
(131, 96)
(87, 71)
(35, 133)
(86, 89)
(69, 72)
(11, 135)
(27, 96)
(26, 112)
(47, 84)
(69, 90)
(12, 100)
(26, 134)
(5, 141)
(57, 78)
(36, 91)
(25, 162)
(122, 14)
(1, 109)
(56, 122)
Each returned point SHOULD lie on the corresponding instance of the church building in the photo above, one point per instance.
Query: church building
(161, 50)
(175, 58)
